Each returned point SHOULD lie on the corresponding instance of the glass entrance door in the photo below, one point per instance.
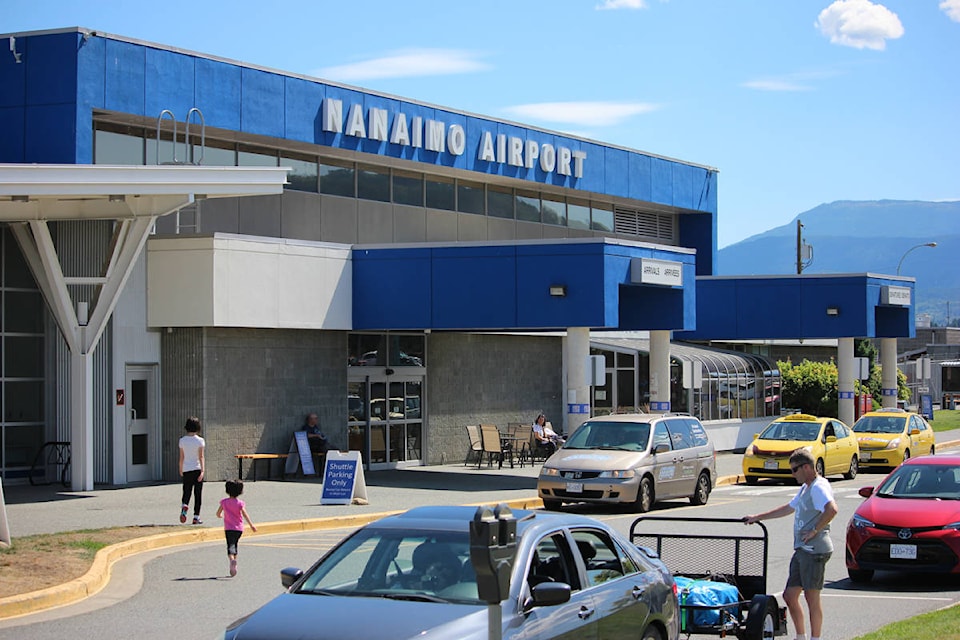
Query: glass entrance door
(385, 421)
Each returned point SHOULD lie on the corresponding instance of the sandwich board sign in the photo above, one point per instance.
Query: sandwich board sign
(343, 478)
(299, 452)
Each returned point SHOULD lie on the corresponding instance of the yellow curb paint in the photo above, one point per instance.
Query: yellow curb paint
(97, 577)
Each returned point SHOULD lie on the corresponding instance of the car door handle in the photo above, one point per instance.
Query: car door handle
(585, 612)
(637, 593)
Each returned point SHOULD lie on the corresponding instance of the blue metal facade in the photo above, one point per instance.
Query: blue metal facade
(777, 307)
(507, 286)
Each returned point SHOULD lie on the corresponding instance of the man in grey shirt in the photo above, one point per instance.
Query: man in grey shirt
(813, 508)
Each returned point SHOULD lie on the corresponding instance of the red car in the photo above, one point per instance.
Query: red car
(911, 522)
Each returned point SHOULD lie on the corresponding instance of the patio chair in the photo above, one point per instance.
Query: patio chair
(493, 446)
(476, 446)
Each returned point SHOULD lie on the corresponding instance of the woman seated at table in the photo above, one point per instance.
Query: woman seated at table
(545, 435)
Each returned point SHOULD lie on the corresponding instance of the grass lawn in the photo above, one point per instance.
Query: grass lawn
(946, 420)
(936, 625)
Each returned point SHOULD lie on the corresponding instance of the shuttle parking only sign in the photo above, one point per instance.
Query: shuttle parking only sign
(343, 478)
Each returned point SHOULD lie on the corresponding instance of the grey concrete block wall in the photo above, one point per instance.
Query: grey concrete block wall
(488, 379)
(251, 389)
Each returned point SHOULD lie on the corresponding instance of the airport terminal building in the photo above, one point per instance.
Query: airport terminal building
(187, 235)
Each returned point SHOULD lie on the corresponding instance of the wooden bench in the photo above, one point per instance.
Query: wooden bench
(256, 457)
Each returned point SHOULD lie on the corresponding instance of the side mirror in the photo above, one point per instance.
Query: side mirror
(831, 438)
(865, 492)
(914, 431)
(289, 576)
(756, 435)
(663, 447)
(548, 594)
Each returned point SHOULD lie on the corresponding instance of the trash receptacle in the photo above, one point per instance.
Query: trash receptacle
(949, 402)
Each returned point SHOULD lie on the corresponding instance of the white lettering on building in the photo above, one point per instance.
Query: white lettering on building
(436, 135)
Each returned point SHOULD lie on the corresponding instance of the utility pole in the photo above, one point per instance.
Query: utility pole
(799, 247)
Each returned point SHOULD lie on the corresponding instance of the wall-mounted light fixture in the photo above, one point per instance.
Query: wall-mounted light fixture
(20, 198)
(558, 290)
(117, 197)
(833, 311)
(13, 49)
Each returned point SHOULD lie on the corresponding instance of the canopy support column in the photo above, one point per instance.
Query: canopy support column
(888, 371)
(659, 371)
(845, 383)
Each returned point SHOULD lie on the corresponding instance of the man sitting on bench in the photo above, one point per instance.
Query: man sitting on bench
(318, 441)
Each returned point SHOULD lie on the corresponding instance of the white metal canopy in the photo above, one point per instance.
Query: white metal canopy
(134, 196)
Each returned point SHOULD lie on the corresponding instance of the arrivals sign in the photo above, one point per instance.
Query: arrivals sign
(436, 135)
(651, 271)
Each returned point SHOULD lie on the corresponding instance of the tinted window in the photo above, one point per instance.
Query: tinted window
(698, 433)
(680, 435)
(599, 555)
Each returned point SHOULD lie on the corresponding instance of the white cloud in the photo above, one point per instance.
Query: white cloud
(596, 114)
(860, 24)
(622, 4)
(775, 84)
(405, 64)
(951, 8)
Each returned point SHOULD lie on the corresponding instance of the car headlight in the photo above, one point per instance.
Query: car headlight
(809, 448)
(751, 450)
(546, 471)
(953, 525)
(628, 473)
(893, 444)
(860, 522)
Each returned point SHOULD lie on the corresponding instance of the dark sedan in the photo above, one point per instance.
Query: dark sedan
(911, 522)
(411, 576)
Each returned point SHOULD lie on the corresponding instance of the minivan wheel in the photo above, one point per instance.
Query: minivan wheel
(644, 495)
(702, 493)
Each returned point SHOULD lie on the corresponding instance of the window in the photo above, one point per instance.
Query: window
(408, 188)
(600, 557)
(302, 175)
(336, 178)
(256, 157)
(440, 194)
(601, 217)
(366, 350)
(406, 351)
(470, 197)
(528, 206)
(500, 202)
(578, 215)
(553, 211)
(117, 148)
(373, 184)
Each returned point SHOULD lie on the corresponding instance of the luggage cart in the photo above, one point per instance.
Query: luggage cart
(717, 550)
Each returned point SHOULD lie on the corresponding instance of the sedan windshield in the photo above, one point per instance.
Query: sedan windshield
(922, 481)
(803, 431)
(623, 436)
(879, 424)
(390, 563)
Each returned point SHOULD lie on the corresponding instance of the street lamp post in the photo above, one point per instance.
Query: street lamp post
(925, 244)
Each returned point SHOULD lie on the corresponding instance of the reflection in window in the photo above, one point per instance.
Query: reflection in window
(407, 350)
(500, 202)
(373, 184)
(528, 206)
(470, 197)
(337, 179)
(440, 194)
(408, 188)
(602, 217)
(366, 350)
(303, 174)
(553, 211)
(578, 215)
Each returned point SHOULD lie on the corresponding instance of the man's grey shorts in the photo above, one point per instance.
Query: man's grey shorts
(807, 570)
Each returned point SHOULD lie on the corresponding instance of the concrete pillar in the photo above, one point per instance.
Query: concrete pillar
(578, 391)
(845, 381)
(659, 371)
(81, 421)
(888, 371)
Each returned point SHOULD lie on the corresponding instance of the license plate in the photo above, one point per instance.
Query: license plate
(771, 465)
(903, 551)
(864, 455)
(574, 487)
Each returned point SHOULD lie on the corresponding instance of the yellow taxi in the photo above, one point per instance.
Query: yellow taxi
(831, 442)
(887, 437)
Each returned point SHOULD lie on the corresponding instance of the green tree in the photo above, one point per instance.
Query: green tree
(874, 386)
(810, 387)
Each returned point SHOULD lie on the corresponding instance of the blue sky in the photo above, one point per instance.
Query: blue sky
(796, 102)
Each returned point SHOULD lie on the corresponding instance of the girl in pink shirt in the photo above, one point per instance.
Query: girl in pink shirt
(234, 512)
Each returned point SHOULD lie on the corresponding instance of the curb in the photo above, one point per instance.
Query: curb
(97, 577)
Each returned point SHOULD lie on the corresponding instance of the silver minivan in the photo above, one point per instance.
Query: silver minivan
(636, 459)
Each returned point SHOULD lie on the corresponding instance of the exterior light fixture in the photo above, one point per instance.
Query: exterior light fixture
(925, 244)
(833, 311)
(558, 290)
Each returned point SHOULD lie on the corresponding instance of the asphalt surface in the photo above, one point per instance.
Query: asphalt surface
(275, 507)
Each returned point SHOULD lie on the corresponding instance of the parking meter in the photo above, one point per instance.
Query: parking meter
(493, 544)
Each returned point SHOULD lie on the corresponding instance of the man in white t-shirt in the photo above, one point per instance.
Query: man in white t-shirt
(191, 469)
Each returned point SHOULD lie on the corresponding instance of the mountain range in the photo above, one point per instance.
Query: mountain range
(866, 236)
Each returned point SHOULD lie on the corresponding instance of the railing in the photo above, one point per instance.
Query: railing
(51, 454)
